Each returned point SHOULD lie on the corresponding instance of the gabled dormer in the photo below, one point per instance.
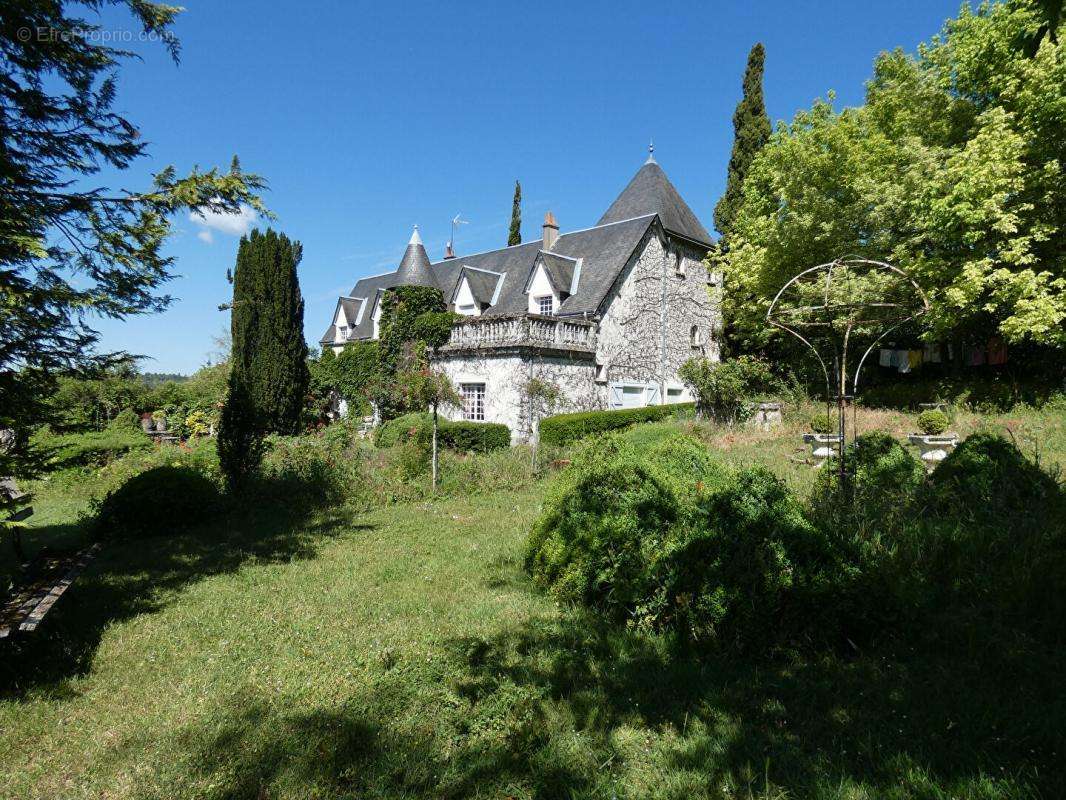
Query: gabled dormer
(476, 290)
(346, 317)
(552, 279)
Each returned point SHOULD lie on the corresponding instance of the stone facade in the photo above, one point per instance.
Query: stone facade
(643, 337)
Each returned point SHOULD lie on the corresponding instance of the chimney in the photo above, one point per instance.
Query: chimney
(551, 231)
(448, 251)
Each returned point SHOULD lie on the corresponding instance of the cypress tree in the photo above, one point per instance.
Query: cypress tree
(269, 378)
(751, 130)
(515, 236)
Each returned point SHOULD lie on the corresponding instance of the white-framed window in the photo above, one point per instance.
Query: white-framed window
(695, 336)
(473, 395)
(673, 394)
(468, 310)
(343, 331)
(545, 304)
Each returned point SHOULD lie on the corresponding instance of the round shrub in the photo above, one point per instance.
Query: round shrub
(400, 429)
(125, 420)
(604, 520)
(822, 423)
(161, 500)
(987, 479)
(750, 575)
(932, 422)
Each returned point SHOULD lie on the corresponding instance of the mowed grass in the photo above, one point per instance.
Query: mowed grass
(401, 653)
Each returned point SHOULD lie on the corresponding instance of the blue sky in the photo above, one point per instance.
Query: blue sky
(367, 118)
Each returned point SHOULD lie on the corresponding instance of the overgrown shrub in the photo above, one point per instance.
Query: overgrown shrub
(563, 429)
(309, 470)
(162, 500)
(727, 391)
(822, 424)
(92, 449)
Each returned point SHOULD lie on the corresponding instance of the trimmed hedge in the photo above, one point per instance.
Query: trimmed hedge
(566, 428)
(466, 437)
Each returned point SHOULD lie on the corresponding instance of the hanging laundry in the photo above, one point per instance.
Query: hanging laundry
(977, 356)
(997, 351)
(914, 358)
(902, 361)
(885, 357)
(931, 353)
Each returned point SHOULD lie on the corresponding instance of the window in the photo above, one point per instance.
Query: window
(673, 395)
(468, 310)
(473, 401)
(679, 265)
(696, 337)
(343, 330)
(546, 304)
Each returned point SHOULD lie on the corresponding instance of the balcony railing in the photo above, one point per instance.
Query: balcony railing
(523, 330)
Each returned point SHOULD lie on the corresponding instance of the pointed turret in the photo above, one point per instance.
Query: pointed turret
(650, 192)
(414, 269)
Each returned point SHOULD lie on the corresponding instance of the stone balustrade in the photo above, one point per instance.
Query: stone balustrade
(523, 330)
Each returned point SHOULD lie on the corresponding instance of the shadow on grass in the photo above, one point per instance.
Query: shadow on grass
(568, 708)
(140, 575)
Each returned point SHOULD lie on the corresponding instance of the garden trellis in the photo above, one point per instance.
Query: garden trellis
(841, 306)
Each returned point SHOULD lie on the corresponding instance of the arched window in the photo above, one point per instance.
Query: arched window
(695, 336)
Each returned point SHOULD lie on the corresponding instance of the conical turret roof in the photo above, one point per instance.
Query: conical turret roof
(414, 269)
(650, 192)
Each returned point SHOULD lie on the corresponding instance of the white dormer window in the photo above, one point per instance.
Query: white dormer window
(468, 310)
(545, 304)
(343, 331)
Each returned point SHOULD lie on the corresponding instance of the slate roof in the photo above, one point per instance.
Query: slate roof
(596, 256)
(482, 284)
(560, 270)
(650, 192)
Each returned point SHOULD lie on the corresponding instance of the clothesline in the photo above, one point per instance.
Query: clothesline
(903, 361)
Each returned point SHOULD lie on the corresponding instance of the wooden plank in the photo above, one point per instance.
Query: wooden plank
(34, 618)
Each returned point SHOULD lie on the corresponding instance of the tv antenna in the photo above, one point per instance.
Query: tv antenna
(456, 221)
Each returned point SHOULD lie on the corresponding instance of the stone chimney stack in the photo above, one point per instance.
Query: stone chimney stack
(551, 231)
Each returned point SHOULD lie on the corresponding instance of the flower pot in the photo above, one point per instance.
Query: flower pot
(823, 446)
(933, 448)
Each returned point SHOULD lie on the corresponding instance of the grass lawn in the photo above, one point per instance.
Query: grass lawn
(401, 653)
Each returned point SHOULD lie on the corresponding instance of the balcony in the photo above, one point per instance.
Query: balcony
(534, 331)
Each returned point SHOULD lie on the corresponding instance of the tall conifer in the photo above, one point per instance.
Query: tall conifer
(515, 236)
(751, 130)
(268, 376)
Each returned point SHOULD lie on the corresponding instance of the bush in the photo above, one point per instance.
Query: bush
(727, 390)
(932, 422)
(822, 424)
(125, 420)
(563, 429)
(309, 470)
(92, 449)
(161, 500)
(464, 436)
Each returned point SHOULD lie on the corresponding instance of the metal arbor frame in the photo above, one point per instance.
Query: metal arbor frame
(840, 312)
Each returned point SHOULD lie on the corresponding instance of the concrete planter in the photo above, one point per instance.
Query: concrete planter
(823, 446)
(935, 448)
(766, 416)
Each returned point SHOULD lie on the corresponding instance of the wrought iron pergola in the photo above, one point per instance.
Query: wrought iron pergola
(845, 302)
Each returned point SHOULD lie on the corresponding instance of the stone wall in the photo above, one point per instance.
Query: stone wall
(663, 293)
(506, 376)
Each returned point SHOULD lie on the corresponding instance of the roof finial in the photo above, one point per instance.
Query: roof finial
(651, 152)
(415, 238)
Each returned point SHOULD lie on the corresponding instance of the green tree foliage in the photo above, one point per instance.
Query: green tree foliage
(59, 129)
(515, 235)
(354, 375)
(268, 310)
(951, 170)
(412, 318)
(751, 131)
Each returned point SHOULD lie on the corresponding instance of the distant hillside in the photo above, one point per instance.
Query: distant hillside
(153, 379)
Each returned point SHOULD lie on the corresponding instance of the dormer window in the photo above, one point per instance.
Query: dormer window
(545, 304)
(343, 331)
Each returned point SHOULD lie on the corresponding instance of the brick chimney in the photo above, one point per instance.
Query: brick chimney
(551, 231)
(448, 251)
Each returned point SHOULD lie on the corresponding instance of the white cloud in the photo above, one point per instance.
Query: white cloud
(234, 224)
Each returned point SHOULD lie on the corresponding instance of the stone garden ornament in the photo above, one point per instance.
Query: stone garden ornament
(841, 311)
